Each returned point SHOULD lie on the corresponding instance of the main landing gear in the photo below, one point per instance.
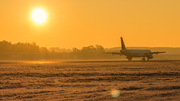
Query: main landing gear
(143, 59)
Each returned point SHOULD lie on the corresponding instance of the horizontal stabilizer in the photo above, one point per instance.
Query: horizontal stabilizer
(114, 53)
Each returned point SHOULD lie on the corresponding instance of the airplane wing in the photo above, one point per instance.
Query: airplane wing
(155, 53)
(114, 53)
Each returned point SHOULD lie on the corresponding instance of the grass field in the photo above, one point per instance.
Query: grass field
(90, 80)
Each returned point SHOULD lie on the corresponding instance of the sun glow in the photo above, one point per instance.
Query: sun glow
(39, 15)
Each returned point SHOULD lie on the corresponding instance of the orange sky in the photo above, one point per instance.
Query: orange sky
(79, 23)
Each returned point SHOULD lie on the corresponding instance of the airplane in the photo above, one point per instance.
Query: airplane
(130, 53)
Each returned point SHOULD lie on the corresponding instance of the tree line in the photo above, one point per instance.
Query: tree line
(33, 51)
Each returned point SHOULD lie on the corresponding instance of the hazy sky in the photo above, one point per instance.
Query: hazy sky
(78, 23)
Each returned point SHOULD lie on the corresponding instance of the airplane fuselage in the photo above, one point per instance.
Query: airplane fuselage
(130, 53)
(136, 52)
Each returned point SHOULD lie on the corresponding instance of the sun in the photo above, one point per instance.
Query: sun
(39, 16)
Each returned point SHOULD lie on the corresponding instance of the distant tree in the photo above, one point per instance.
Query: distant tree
(75, 50)
(88, 52)
(44, 53)
(76, 53)
(33, 51)
(100, 51)
(100, 48)
(5, 46)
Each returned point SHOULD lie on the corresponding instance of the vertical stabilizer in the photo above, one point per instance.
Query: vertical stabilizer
(122, 44)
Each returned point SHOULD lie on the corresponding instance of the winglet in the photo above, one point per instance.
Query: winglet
(122, 44)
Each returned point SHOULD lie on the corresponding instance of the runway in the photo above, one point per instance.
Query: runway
(104, 61)
(77, 61)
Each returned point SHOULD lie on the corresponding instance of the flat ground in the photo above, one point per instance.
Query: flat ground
(90, 80)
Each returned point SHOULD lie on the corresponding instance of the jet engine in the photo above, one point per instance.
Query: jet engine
(150, 57)
(129, 58)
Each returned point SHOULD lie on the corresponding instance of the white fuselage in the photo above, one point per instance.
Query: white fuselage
(136, 52)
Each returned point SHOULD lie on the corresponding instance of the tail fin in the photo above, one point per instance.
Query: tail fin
(122, 44)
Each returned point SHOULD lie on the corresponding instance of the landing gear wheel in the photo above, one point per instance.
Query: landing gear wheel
(147, 59)
(143, 59)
